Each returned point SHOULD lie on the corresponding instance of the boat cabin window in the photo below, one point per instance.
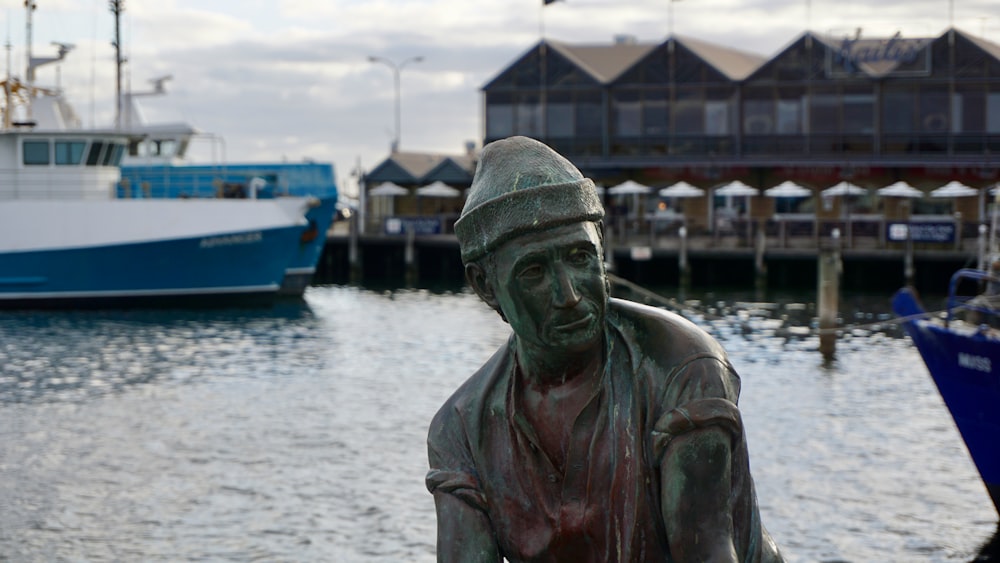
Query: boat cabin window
(36, 153)
(94, 156)
(116, 158)
(162, 147)
(70, 152)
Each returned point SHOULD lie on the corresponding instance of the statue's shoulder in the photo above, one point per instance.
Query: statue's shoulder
(662, 332)
(484, 387)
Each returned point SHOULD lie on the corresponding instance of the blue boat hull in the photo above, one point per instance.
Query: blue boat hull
(965, 366)
(205, 270)
(169, 181)
(305, 256)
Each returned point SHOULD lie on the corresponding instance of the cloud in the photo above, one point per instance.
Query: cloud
(292, 80)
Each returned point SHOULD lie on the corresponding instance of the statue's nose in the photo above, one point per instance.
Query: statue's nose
(566, 295)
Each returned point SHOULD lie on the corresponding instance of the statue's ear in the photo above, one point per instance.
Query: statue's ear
(480, 282)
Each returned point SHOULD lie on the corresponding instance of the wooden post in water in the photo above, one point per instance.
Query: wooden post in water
(760, 267)
(684, 267)
(410, 255)
(353, 258)
(829, 293)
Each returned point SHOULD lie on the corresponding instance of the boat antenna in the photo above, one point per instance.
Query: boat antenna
(117, 7)
(6, 88)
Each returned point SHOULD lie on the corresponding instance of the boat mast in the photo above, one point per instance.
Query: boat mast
(30, 7)
(117, 7)
(6, 93)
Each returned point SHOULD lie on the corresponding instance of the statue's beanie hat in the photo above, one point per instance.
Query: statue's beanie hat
(520, 186)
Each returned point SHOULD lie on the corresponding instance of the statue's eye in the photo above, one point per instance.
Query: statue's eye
(578, 256)
(530, 272)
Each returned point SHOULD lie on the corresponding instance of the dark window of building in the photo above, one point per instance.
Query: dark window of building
(36, 153)
(499, 115)
(70, 152)
(655, 120)
(934, 110)
(627, 113)
(993, 113)
(589, 120)
(824, 110)
(898, 110)
(758, 117)
(559, 115)
(689, 111)
(528, 116)
(859, 110)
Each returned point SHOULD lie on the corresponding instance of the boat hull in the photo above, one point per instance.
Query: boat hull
(305, 256)
(151, 253)
(964, 362)
(278, 180)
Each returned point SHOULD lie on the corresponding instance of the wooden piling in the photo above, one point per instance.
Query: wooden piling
(684, 267)
(410, 256)
(760, 266)
(828, 296)
(353, 256)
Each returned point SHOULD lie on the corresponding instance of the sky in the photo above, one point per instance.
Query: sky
(287, 80)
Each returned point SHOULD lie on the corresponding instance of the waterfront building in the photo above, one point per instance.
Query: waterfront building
(811, 135)
(823, 110)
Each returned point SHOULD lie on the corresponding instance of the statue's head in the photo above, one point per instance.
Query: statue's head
(531, 240)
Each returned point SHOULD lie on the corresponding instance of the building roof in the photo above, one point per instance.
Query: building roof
(422, 167)
(733, 63)
(603, 62)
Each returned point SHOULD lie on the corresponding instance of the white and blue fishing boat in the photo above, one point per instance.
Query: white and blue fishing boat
(962, 352)
(66, 240)
(156, 166)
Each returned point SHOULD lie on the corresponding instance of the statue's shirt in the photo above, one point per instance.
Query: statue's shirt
(663, 376)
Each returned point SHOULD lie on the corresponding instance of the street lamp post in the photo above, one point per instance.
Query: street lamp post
(397, 69)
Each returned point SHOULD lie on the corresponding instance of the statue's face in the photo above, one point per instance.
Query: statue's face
(551, 287)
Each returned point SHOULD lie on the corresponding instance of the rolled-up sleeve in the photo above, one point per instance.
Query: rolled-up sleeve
(450, 459)
(703, 392)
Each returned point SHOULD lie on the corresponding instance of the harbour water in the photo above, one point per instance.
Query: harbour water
(297, 433)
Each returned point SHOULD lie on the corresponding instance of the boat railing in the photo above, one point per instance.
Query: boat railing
(983, 303)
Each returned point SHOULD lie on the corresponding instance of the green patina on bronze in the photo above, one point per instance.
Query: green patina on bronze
(602, 430)
(520, 186)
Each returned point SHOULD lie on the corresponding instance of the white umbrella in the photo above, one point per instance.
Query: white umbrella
(899, 189)
(788, 189)
(954, 189)
(438, 189)
(844, 188)
(388, 189)
(629, 187)
(737, 188)
(682, 189)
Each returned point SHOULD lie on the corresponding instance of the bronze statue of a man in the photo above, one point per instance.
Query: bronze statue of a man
(603, 430)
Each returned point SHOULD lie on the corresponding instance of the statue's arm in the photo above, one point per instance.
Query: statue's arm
(696, 477)
(464, 532)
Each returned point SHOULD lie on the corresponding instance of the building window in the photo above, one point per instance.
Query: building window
(628, 114)
(716, 118)
(528, 117)
(70, 152)
(897, 111)
(859, 113)
(789, 113)
(559, 120)
(499, 121)
(36, 153)
(993, 113)
(655, 117)
(757, 118)
(589, 119)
